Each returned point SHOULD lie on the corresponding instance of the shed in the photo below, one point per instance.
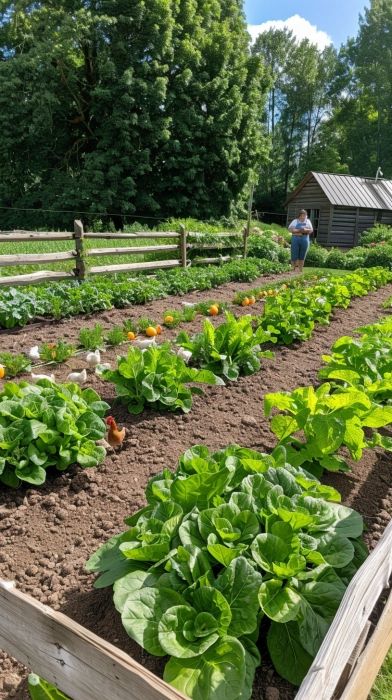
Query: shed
(341, 206)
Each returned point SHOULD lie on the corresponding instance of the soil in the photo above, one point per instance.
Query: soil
(47, 534)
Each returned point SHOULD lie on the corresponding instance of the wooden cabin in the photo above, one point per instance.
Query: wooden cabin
(341, 206)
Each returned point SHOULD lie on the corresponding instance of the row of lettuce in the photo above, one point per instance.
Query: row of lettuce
(238, 545)
(61, 300)
(49, 425)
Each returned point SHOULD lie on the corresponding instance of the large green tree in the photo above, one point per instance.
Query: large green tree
(126, 106)
(364, 114)
(301, 88)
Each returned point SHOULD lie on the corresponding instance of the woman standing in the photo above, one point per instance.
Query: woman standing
(300, 228)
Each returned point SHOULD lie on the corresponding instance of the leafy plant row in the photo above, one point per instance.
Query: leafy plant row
(347, 411)
(226, 540)
(17, 308)
(157, 378)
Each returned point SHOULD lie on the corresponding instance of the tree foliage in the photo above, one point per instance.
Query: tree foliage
(127, 106)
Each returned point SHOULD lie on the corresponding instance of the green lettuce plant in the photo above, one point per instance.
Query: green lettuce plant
(225, 539)
(158, 378)
(48, 425)
(231, 349)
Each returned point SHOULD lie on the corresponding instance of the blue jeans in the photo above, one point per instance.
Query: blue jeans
(299, 247)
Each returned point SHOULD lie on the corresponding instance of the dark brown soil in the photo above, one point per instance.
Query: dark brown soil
(47, 534)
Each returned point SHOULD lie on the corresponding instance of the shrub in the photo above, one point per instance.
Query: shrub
(379, 256)
(336, 259)
(378, 233)
(316, 256)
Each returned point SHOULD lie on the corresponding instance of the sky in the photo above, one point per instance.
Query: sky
(322, 21)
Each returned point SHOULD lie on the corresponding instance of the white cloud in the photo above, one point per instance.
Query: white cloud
(301, 28)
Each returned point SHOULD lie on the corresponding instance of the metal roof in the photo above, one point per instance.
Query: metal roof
(350, 191)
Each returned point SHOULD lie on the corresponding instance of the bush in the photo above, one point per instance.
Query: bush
(378, 233)
(336, 259)
(316, 256)
(379, 256)
(264, 247)
(356, 257)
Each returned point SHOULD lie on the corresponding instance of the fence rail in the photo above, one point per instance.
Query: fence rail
(81, 253)
(341, 669)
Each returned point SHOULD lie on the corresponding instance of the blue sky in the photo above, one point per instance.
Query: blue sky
(337, 18)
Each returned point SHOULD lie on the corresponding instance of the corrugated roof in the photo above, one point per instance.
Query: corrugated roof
(350, 191)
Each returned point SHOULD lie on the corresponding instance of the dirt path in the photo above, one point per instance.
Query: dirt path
(47, 534)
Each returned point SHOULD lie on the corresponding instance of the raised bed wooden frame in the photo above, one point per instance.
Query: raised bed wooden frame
(85, 667)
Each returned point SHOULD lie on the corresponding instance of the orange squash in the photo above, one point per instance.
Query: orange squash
(158, 329)
(2, 371)
(131, 335)
(168, 319)
(151, 332)
(213, 310)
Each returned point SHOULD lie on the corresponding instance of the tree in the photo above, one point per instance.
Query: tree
(143, 106)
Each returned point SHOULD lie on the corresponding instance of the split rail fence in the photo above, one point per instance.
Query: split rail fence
(80, 253)
(86, 667)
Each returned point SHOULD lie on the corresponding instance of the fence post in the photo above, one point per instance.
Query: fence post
(183, 255)
(80, 266)
(245, 235)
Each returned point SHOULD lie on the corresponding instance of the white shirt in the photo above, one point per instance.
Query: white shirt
(301, 224)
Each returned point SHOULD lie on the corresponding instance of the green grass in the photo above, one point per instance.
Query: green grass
(382, 689)
(328, 270)
(61, 246)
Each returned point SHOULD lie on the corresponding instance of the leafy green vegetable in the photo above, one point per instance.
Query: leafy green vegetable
(229, 350)
(14, 364)
(92, 338)
(156, 377)
(48, 425)
(228, 537)
(56, 352)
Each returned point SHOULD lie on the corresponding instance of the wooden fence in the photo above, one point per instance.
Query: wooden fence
(85, 667)
(80, 253)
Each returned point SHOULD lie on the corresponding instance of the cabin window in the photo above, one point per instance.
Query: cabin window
(314, 216)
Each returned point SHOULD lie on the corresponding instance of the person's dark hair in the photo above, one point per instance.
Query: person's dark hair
(302, 211)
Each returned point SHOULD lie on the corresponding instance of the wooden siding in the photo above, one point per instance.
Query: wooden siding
(312, 197)
(344, 224)
(386, 218)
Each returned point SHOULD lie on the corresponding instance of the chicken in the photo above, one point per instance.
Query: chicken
(115, 436)
(78, 377)
(145, 344)
(37, 377)
(184, 354)
(93, 359)
(34, 353)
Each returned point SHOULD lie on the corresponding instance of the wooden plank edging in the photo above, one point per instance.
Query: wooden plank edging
(371, 659)
(357, 605)
(78, 662)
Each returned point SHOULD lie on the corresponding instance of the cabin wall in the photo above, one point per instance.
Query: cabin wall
(312, 197)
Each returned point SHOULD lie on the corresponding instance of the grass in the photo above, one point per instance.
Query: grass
(65, 265)
(382, 689)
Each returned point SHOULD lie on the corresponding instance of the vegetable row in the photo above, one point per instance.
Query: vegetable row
(346, 411)
(60, 300)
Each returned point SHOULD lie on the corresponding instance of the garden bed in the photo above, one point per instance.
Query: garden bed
(47, 534)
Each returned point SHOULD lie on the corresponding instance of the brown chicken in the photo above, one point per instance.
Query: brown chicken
(115, 436)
